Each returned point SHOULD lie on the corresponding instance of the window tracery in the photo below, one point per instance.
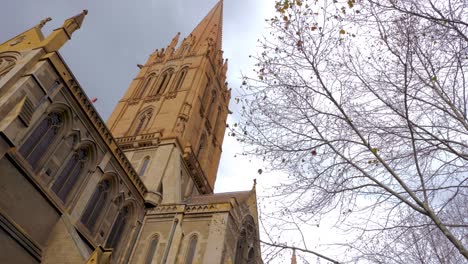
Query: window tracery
(143, 121)
(245, 249)
(181, 79)
(162, 83)
(96, 204)
(118, 228)
(70, 174)
(141, 90)
(39, 141)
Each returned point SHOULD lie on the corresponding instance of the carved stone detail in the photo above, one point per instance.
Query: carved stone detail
(7, 62)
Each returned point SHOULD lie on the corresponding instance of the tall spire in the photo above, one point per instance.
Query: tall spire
(209, 30)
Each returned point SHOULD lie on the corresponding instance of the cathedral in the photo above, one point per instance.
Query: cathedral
(135, 189)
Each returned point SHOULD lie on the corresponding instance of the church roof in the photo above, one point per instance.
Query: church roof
(210, 28)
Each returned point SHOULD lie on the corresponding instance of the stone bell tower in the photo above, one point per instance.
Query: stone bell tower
(171, 121)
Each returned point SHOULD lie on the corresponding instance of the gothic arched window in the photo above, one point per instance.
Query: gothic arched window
(204, 96)
(96, 205)
(143, 122)
(245, 249)
(192, 246)
(69, 175)
(163, 82)
(201, 145)
(144, 165)
(210, 107)
(141, 90)
(37, 144)
(181, 78)
(217, 120)
(240, 248)
(118, 228)
(151, 250)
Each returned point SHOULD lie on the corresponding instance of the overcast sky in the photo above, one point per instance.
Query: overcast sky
(119, 34)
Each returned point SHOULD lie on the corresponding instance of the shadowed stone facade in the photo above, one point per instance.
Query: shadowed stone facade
(138, 189)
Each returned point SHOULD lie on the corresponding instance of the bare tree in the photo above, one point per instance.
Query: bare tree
(364, 105)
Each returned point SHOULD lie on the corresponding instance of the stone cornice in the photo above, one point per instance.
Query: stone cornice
(187, 209)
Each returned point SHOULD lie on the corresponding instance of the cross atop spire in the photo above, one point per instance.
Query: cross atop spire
(209, 30)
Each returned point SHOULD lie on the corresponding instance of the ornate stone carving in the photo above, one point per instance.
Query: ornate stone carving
(180, 126)
(7, 62)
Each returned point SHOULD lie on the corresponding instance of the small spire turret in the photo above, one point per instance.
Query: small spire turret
(62, 34)
(33, 37)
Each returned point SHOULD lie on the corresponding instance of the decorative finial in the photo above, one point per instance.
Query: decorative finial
(175, 40)
(43, 22)
(77, 20)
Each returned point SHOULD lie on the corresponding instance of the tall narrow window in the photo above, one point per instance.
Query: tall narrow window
(70, 173)
(151, 250)
(192, 246)
(251, 256)
(182, 74)
(143, 122)
(144, 165)
(210, 107)
(163, 82)
(204, 96)
(201, 145)
(41, 138)
(240, 249)
(141, 90)
(217, 121)
(95, 205)
(118, 228)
